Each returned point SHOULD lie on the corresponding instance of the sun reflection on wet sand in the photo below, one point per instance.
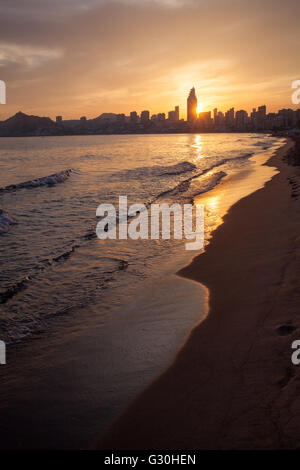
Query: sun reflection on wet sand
(212, 213)
(231, 189)
(198, 146)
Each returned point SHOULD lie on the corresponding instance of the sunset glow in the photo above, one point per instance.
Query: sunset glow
(108, 69)
(149, 229)
(200, 107)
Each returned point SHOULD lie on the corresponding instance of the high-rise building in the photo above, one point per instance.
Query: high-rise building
(161, 117)
(261, 117)
(215, 115)
(192, 106)
(133, 117)
(262, 110)
(241, 120)
(289, 117)
(229, 117)
(145, 115)
(205, 120)
(221, 119)
(172, 116)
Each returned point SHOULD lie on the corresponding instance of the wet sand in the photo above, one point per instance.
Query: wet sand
(66, 385)
(232, 385)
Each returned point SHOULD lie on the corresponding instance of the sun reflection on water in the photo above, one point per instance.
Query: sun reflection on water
(198, 146)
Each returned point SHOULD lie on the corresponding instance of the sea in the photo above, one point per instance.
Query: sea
(50, 187)
(116, 306)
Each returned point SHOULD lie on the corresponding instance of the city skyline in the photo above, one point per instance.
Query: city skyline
(194, 112)
(232, 120)
(5, 114)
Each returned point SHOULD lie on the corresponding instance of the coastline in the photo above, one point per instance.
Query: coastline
(232, 385)
(63, 387)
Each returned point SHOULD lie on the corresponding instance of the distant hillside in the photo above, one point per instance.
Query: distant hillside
(106, 117)
(22, 125)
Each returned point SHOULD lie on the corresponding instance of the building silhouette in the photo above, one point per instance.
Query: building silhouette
(241, 120)
(133, 117)
(173, 115)
(230, 120)
(192, 106)
(145, 116)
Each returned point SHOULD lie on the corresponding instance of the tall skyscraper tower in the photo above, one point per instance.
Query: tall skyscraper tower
(192, 106)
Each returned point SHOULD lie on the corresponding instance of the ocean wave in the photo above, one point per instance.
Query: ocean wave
(205, 184)
(184, 185)
(232, 160)
(190, 188)
(44, 264)
(15, 331)
(156, 171)
(14, 289)
(49, 180)
(5, 221)
(17, 328)
(178, 169)
(263, 143)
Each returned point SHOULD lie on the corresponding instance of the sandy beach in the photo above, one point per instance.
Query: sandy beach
(233, 385)
(150, 228)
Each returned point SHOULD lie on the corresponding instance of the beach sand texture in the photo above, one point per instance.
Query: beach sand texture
(233, 385)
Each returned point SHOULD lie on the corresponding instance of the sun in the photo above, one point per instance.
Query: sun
(200, 106)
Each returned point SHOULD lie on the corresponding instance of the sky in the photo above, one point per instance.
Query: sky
(86, 57)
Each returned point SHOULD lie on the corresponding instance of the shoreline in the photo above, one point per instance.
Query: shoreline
(62, 388)
(244, 395)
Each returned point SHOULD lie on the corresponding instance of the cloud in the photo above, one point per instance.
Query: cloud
(26, 55)
(87, 57)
